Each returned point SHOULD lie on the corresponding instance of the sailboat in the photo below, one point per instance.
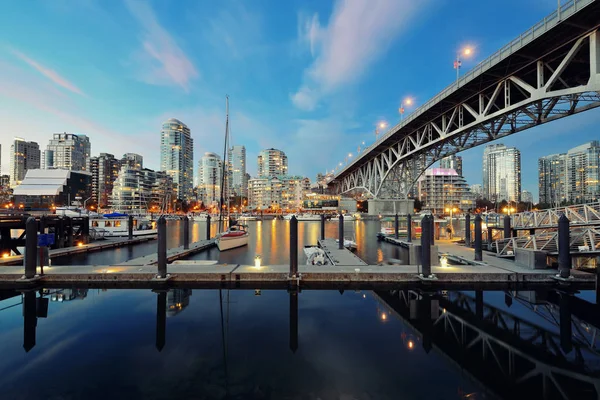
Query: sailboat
(236, 235)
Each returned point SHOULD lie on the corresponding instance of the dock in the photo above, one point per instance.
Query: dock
(173, 254)
(339, 256)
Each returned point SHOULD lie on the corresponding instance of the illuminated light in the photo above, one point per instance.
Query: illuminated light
(410, 344)
(79, 244)
(5, 255)
(364, 296)
(382, 125)
(443, 261)
(467, 51)
(383, 316)
(257, 260)
(408, 101)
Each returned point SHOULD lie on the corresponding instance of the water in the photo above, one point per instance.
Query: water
(269, 239)
(104, 344)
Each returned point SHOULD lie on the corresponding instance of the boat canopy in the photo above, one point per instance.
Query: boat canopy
(115, 215)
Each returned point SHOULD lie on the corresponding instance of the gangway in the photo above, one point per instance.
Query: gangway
(583, 241)
(578, 215)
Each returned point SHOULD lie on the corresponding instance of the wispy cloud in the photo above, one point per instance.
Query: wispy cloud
(49, 73)
(167, 61)
(358, 33)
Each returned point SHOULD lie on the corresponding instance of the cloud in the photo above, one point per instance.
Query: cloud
(358, 33)
(162, 61)
(48, 73)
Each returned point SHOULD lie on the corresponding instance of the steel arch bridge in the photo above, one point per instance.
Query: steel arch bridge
(550, 72)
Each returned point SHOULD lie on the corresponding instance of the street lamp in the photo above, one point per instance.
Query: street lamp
(405, 103)
(465, 52)
(451, 210)
(381, 125)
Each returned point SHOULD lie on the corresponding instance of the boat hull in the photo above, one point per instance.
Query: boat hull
(136, 233)
(226, 243)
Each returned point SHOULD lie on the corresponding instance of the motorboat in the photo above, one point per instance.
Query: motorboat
(172, 217)
(235, 236)
(315, 256)
(349, 244)
(198, 217)
(247, 217)
(117, 225)
(287, 217)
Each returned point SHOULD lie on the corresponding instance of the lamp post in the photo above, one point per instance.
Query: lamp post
(380, 125)
(405, 103)
(451, 210)
(467, 51)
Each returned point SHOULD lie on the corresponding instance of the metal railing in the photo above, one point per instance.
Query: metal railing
(578, 215)
(582, 240)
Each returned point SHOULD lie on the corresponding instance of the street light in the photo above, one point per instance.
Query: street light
(451, 210)
(405, 103)
(380, 126)
(466, 52)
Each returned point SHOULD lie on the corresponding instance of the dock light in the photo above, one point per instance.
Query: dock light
(5, 255)
(443, 261)
(79, 244)
(410, 344)
(257, 259)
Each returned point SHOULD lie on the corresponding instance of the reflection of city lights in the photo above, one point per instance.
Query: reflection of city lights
(411, 344)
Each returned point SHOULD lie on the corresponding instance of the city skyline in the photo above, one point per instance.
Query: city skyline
(62, 82)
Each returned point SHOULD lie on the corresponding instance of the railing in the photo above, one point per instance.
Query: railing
(578, 215)
(549, 22)
(582, 240)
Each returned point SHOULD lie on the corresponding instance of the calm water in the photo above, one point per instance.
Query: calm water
(270, 239)
(211, 344)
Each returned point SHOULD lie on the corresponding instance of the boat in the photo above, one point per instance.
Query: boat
(349, 244)
(198, 217)
(247, 217)
(287, 217)
(303, 217)
(235, 236)
(172, 217)
(117, 225)
(315, 256)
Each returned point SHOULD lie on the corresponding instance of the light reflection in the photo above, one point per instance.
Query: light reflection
(259, 248)
(379, 255)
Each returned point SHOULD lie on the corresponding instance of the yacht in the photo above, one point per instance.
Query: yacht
(117, 225)
(303, 217)
(346, 217)
(349, 244)
(235, 236)
(198, 217)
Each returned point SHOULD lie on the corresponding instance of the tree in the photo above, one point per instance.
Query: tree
(418, 205)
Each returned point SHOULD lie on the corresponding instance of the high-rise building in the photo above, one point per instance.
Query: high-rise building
(583, 172)
(272, 162)
(133, 160)
(67, 151)
(105, 170)
(552, 179)
(477, 190)
(210, 171)
(441, 188)
(275, 193)
(526, 196)
(501, 173)
(23, 157)
(452, 162)
(177, 156)
(238, 184)
(139, 190)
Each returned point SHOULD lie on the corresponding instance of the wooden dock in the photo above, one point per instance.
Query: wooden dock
(339, 256)
(173, 254)
(84, 248)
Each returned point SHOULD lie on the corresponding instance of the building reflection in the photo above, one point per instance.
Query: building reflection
(177, 301)
(62, 295)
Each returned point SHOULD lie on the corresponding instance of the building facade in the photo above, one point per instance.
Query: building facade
(67, 151)
(501, 173)
(238, 185)
(52, 188)
(277, 193)
(132, 160)
(23, 157)
(526, 196)
(452, 162)
(477, 191)
(442, 188)
(583, 173)
(139, 190)
(177, 156)
(552, 179)
(105, 170)
(272, 162)
(210, 172)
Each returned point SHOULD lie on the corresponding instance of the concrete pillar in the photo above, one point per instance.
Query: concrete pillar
(293, 247)
(478, 251)
(162, 247)
(293, 321)
(468, 230)
(341, 232)
(130, 227)
(507, 230)
(396, 226)
(408, 228)
(30, 258)
(161, 318)
(322, 226)
(564, 251)
(29, 320)
(208, 227)
(426, 245)
(186, 233)
(566, 328)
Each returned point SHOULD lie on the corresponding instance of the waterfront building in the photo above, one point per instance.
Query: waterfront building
(133, 160)
(67, 151)
(177, 156)
(277, 192)
(452, 162)
(138, 190)
(238, 185)
(24, 156)
(272, 162)
(5, 181)
(442, 188)
(46, 188)
(177, 301)
(501, 173)
(552, 179)
(583, 173)
(105, 170)
(210, 172)
(526, 196)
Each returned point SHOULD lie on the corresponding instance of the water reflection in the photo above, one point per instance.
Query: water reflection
(526, 344)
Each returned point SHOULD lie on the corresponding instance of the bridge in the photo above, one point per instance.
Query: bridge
(549, 72)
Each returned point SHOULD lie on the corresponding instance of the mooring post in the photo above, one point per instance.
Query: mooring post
(208, 227)
(293, 320)
(507, 230)
(85, 230)
(161, 318)
(396, 226)
(30, 259)
(432, 228)
(566, 329)
(408, 227)
(426, 226)
(130, 227)
(468, 230)
(564, 251)
(341, 232)
(322, 226)
(186, 233)
(293, 247)
(29, 320)
(478, 251)
(69, 228)
(162, 247)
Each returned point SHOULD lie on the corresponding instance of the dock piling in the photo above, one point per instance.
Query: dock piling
(408, 228)
(468, 230)
(69, 230)
(293, 247)
(322, 226)
(396, 226)
(432, 229)
(507, 230)
(29, 320)
(161, 319)
(85, 230)
(162, 247)
(130, 227)
(426, 236)
(186, 233)
(564, 252)
(208, 227)
(341, 232)
(30, 259)
(478, 251)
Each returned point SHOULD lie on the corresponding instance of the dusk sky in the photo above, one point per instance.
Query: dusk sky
(311, 78)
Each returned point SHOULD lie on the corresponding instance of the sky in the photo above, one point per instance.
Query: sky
(309, 77)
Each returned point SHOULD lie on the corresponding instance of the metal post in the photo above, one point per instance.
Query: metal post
(564, 251)
(59, 228)
(468, 230)
(186, 233)
(408, 228)
(162, 247)
(396, 226)
(341, 232)
(293, 321)
(130, 227)
(30, 259)
(426, 226)
(208, 227)
(478, 252)
(85, 230)
(322, 226)
(490, 235)
(29, 320)
(161, 318)
(507, 230)
(293, 247)
(432, 229)
(43, 224)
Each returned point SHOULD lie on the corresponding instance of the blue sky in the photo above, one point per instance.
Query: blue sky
(309, 77)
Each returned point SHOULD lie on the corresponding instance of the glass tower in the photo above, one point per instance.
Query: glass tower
(177, 156)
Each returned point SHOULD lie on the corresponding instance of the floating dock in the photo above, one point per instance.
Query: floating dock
(173, 254)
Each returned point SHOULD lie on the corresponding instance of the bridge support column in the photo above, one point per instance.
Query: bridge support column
(468, 230)
(478, 252)
(564, 251)
(186, 233)
(30, 258)
(294, 247)
(162, 248)
(208, 227)
(340, 232)
(396, 226)
(507, 230)
(426, 246)
(408, 228)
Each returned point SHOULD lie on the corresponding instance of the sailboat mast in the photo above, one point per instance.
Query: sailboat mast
(221, 200)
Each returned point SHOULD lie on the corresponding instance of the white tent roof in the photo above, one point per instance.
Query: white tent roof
(43, 182)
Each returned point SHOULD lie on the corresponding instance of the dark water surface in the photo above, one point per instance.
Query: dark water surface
(212, 344)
